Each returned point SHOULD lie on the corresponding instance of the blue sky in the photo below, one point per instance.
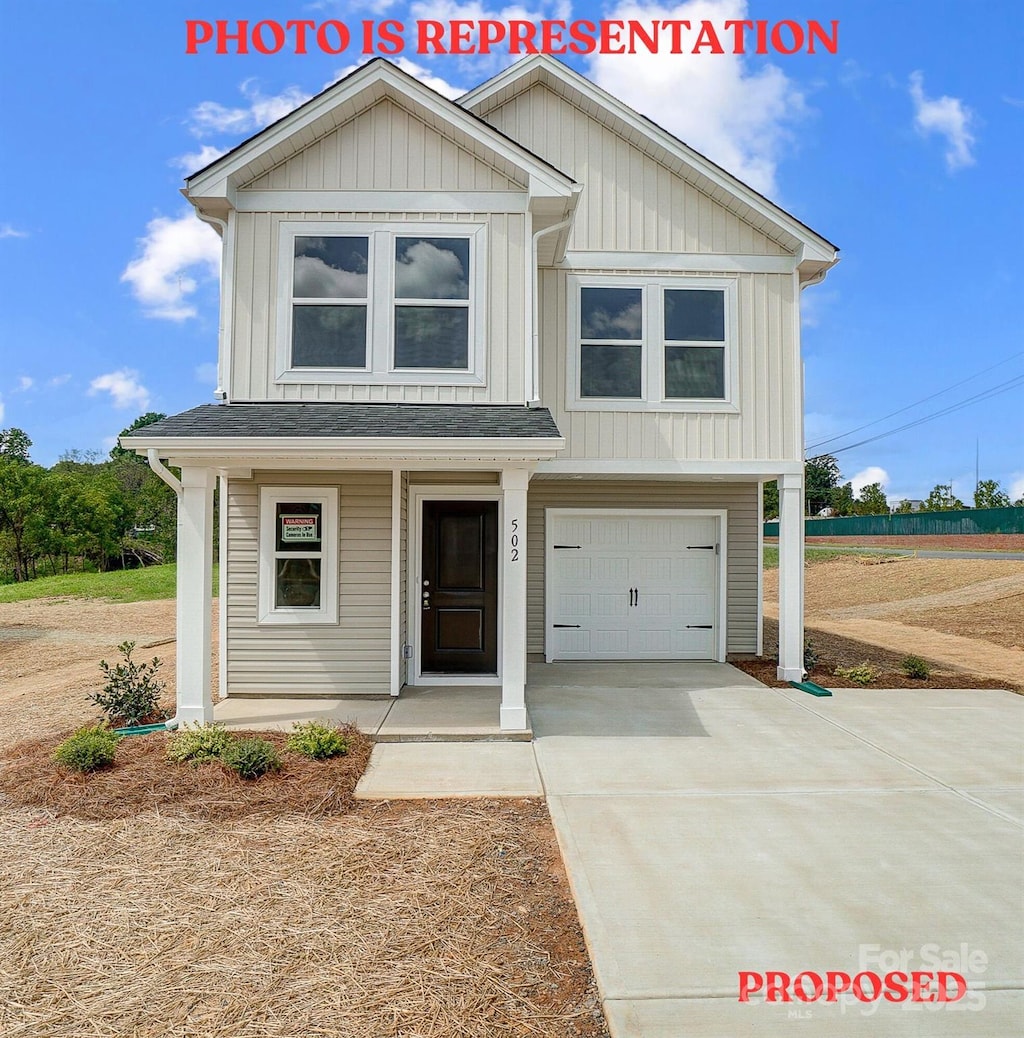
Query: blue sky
(905, 149)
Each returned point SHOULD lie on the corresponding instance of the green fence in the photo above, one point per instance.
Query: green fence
(914, 524)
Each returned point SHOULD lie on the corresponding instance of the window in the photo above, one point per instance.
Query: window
(381, 304)
(298, 555)
(654, 343)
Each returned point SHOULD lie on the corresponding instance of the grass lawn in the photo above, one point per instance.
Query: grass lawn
(813, 555)
(126, 585)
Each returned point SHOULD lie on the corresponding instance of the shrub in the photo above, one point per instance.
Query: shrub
(861, 674)
(915, 667)
(318, 741)
(251, 758)
(132, 692)
(88, 749)
(199, 744)
(810, 657)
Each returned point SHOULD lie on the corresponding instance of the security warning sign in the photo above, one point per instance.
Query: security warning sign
(300, 528)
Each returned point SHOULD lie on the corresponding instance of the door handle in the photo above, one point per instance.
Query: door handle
(634, 596)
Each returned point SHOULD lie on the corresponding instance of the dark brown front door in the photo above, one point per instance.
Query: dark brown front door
(459, 587)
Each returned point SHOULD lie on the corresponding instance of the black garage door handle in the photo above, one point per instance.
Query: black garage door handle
(576, 626)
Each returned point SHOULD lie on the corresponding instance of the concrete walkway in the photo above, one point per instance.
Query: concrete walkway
(710, 826)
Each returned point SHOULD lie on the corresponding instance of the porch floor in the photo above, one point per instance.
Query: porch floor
(420, 714)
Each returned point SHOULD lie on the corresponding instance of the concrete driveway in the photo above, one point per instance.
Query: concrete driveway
(712, 826)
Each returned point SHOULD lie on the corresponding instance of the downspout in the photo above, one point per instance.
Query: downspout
(533, 354)
(168, 477)
(227, 258)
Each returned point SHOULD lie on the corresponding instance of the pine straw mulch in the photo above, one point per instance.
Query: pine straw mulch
(156, 900)
(835, 651)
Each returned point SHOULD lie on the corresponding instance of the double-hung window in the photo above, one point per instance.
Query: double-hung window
(381, 303)
(298, 576)
(651, 343)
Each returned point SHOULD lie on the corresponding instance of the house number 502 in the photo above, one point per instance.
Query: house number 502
(514, 541)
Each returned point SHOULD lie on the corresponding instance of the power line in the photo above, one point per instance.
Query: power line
(984, 395)
(917, 403)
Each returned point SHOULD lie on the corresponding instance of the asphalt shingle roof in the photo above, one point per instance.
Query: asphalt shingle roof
(356, 420)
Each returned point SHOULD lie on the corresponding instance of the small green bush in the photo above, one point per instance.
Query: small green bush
(132, 692)
(199, 744)
(915, 667)
(317, 741)
(810, 656)
(861, 674)
(251, 758)
(88, 749)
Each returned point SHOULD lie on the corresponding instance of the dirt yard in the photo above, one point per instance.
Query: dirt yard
(165, 913)
(965, 616)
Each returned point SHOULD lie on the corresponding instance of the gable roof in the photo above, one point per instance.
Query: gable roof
(816, 252)
(213, 187)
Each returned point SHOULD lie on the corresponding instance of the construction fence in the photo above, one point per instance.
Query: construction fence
(914, 524)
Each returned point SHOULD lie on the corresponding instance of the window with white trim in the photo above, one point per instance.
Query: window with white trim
(658, 343)
(399, 302)
(298, 572)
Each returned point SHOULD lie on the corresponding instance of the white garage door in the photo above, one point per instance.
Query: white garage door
(633, 586)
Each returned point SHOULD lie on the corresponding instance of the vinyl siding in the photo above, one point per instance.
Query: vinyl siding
(350, 657)
(257, 286)
(630, 200)
(740, 499)
(768, 423)
(387, 148)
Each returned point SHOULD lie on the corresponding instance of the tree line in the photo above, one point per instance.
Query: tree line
(85, 512)
(825, 491)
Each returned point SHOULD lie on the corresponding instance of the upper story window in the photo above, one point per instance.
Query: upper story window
(656, 343)
(372, 303)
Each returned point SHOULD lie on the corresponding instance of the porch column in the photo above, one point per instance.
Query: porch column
(791, 578)
(514, 483)
(195, 596)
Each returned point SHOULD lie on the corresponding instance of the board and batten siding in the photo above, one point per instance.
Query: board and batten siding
(388, 148)
(630, 200)
(767, 425)
(740, 499)
(351, 656)
(257, 287)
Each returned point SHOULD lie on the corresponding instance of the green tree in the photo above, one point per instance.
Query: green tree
(842, 502)
(872, 501)
(770, 498)
(989, 494)
(904, 507)
(942, 499)
(14, 444)
(21, 502)
(117, 452)
(821, 477)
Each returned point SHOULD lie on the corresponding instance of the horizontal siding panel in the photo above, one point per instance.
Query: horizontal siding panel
(350, 657)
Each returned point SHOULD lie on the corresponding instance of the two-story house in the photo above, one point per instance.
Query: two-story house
(499, 377)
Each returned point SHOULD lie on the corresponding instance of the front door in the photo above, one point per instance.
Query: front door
(459, 588)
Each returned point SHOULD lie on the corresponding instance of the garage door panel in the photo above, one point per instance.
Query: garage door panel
(637, 586)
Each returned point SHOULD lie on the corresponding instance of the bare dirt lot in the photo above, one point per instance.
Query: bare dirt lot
(196, 906)
(965, 616)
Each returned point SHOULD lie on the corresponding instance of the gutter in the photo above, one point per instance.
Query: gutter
(227, 259)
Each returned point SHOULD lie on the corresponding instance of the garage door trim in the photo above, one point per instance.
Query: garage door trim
(553, 514)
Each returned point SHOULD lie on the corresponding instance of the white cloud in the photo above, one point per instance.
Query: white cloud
(206, 373)
(59, 380)
(947, 116)
(209, 117)
(872, 474)
(1, 409)
(1016, 490)
(25, 383)
(196, 160)
(424, 75)
(7, 231)
(160, 277)
(738, 118)
(124, 388)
